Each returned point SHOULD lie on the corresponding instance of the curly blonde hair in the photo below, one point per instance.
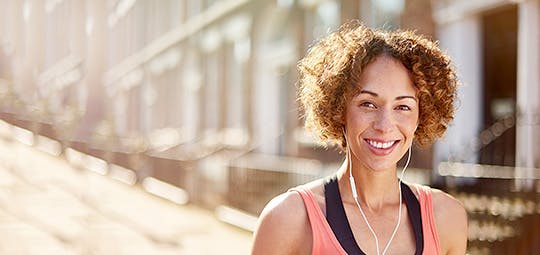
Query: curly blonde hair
(332, 67)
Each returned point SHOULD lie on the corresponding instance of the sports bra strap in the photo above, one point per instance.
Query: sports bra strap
(337, 219)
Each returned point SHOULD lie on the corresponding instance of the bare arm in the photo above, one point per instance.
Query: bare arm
(452, 226)
(283, 227)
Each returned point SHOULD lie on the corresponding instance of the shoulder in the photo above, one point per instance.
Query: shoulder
(283, 226)
(448, 209)
(451, 221)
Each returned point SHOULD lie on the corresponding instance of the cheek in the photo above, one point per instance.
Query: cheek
(408, 123)
(351, 115)
(359, 120)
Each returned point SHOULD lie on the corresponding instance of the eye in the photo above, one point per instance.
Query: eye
(368, 105)
(403, 107)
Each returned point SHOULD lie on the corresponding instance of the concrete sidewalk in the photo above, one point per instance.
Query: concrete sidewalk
(47, 206)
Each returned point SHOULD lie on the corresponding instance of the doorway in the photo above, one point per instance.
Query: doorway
(500, 32)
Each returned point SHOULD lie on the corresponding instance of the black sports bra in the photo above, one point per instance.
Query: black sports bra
(337, 219)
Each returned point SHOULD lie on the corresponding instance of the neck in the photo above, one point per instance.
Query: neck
(375, 189)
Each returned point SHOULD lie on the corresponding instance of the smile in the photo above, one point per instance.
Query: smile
(381, 148)
(381, 145)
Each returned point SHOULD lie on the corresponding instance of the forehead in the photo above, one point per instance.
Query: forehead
(386, 74)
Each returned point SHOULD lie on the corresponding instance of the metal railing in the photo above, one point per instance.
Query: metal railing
(503, 219)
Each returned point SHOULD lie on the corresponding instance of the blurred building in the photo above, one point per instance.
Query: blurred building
(492, 145)
(200, 85)
(201, 93)
(494, 44)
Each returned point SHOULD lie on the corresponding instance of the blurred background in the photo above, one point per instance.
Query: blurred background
(164, 127)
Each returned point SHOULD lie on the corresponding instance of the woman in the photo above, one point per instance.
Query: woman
(372, 93)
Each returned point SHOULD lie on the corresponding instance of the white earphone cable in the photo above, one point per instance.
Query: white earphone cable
(355, 196)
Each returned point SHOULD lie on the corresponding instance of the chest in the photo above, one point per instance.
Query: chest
(383, 225)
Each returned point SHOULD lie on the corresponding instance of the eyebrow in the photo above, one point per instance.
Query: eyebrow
(397, 98)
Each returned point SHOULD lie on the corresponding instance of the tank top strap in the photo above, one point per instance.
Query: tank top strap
(431, 237)
(337, 218)
(413, 208)
(324, 240)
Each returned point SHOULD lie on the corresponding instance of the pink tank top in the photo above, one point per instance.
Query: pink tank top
(325, 242)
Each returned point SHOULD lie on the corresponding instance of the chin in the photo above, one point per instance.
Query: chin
(383, 166)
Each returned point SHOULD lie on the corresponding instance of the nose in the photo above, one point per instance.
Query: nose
(384, 121)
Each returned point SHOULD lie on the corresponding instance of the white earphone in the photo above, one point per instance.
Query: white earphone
(355, 196)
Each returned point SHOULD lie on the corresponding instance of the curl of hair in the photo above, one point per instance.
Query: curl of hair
(330, 72)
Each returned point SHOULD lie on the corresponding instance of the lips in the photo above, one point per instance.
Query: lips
(381, 147)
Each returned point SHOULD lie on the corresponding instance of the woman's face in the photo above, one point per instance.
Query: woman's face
(382, 118)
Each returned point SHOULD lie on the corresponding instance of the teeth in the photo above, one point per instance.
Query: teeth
(380, 145)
